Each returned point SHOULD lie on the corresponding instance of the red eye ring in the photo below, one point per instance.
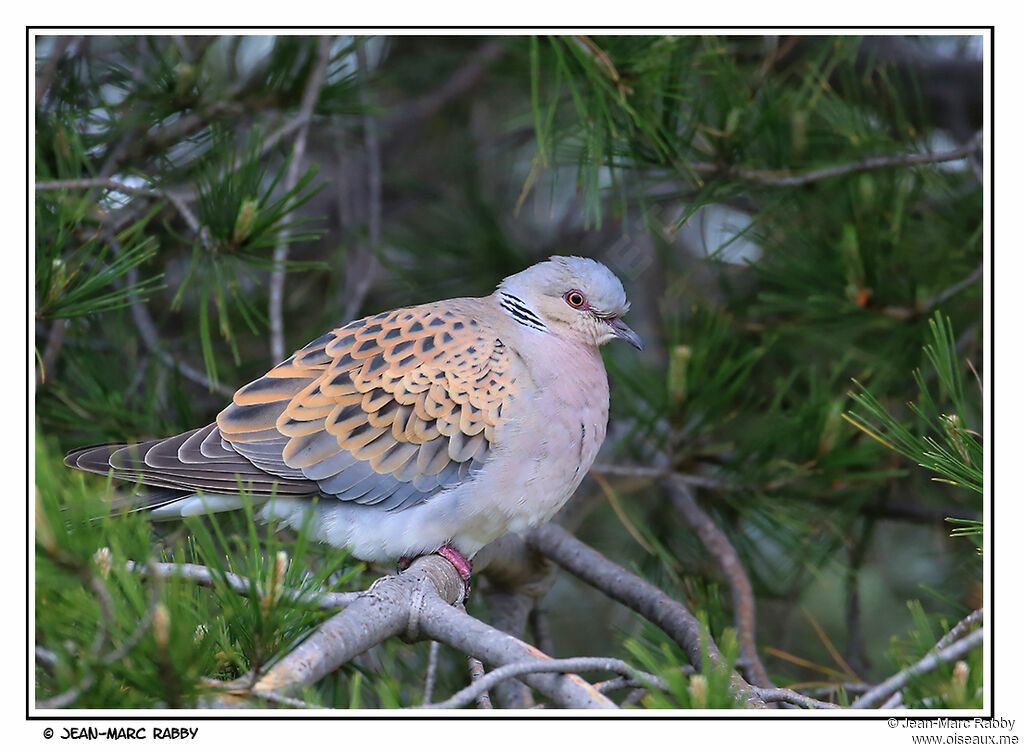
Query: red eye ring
(575, 298)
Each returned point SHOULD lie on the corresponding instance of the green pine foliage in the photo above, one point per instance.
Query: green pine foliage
(953, 449)
(682, 162)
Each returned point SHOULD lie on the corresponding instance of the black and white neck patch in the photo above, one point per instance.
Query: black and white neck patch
(520, 312)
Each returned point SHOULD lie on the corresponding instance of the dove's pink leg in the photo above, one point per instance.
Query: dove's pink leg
(456, 558)
(452, 555)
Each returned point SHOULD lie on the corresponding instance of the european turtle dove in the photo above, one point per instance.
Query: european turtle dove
(435, 428)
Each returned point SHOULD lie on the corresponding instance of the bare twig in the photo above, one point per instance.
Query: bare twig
(181, 204)
(309, 98)
(651, 472)
(476, 675)
(775, 695)
(833, 687)
(932, 660)
(141, 629)
(960, 285)
(106, 614)
(895, 701)
(640, 686)
(151, 339)
(374, 185)
(203, 576)
(541, 630)
(890, 510)
(459, 83)
(176, 199)
(69, 696)
(157, 140)
(537, 666)
(856, 655)
(428, 685)
(787, 178)
(53, 347)
(960, 628)
(718, 544)
(904, 313)
(510, 611)
(46, 658)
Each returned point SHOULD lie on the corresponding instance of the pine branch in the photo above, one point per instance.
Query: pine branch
(626, 588)
(414, 604)
(775, 694)
(718, 544)
(539, 666)
(788, 178)
(203, 576)
(510, 612)
(958, 630)
(931, 661)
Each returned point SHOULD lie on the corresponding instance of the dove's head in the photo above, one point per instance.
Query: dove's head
(569, 295)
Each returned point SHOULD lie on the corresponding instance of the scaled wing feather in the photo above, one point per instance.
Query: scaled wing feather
(387, 410)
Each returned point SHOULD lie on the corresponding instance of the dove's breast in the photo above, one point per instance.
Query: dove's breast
(554, 427)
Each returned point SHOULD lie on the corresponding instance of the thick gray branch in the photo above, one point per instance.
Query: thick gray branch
(386, 609)
(671, 616)
(416, 604)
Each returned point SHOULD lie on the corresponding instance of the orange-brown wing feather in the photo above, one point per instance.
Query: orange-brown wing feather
(388, 409)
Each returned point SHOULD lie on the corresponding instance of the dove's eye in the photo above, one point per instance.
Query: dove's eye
(575, 298)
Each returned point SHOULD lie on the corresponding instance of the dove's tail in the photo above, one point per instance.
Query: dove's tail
(185, 474)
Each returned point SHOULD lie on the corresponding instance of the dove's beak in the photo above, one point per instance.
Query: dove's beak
(626, 333)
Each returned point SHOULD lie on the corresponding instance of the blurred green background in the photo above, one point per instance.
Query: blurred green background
(168, 176)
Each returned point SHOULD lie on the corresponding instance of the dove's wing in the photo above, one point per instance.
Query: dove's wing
(387, 410)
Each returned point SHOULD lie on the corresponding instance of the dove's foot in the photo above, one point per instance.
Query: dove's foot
(456, 558)
(452, 555)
